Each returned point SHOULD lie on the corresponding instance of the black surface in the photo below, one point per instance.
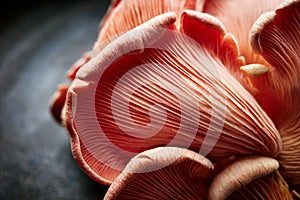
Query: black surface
(37, 46)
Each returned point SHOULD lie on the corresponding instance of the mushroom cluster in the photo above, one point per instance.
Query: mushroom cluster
(189, 99)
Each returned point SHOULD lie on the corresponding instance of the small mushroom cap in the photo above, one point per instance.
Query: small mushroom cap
(163, 173)
(240, 173)
(269, 187)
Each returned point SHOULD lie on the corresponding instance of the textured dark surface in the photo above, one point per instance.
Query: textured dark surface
(38, 45)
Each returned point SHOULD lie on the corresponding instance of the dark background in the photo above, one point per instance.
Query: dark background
(39, 41)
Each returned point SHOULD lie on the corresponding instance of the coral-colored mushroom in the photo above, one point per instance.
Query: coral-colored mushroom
(191, 80)
(269, 187)
(244, 170)
(156, 86)
(276, 37)
(163, 173)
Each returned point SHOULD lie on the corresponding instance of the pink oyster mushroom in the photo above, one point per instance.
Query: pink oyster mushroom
(189, 100)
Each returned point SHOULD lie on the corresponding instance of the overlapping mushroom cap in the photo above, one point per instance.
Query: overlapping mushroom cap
(190, 78)
(163, 173)
(175, 173)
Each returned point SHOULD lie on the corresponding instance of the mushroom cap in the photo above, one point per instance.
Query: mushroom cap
(163, 173)
(158, 85)
(239, 173)
(268, 187)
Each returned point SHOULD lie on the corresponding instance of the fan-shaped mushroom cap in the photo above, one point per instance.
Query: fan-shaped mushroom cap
(269, 187)
(240, 173)
(189, 100)
(163, 173)
(158, 86)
